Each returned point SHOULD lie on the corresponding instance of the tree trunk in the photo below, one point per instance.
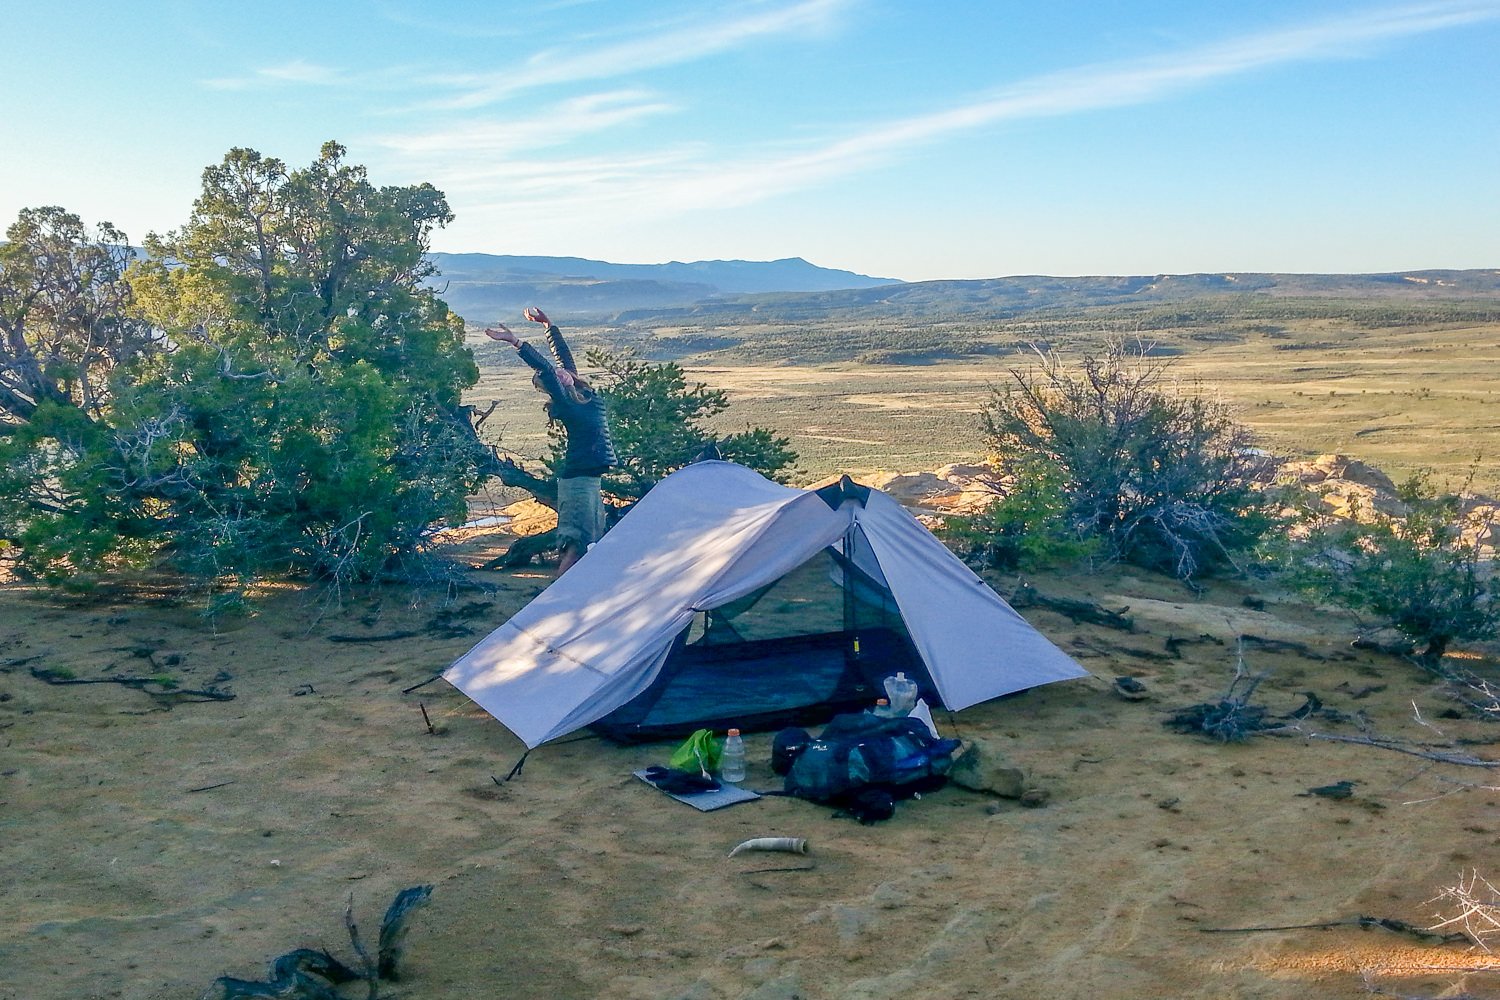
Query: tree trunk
(523, 551)
(503, 469)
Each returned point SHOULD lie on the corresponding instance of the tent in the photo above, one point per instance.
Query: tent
(643, 635)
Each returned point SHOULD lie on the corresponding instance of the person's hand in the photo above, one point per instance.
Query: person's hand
(566, 377)
(537, 316)
(502, 333)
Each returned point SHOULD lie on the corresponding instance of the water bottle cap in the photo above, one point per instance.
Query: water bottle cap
(882, 701)
(900, 675)
(734, 732)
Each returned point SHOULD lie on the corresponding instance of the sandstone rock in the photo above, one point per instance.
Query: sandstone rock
(915, 487)
(966, 502)
(981, 767)
(959, 474)
(1339, 467)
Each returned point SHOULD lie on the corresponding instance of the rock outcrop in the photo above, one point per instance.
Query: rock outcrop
(1347, 487)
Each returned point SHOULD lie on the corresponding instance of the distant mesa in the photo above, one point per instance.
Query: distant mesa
(484, 288)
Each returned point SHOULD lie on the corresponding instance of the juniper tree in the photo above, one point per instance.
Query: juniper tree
(299, 407)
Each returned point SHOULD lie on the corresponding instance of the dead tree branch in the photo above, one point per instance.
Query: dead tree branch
(1456, 758)
(1478, 909)
(1429, 935)
(1026, 596)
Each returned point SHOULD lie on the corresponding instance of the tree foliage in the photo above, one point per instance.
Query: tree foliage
(298, 408)
(657, 420)
(1027, 528)
(66, 328)
(65, 322)
(1157, 475)
(1420, 572)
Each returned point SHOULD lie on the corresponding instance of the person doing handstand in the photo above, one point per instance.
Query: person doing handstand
(589, 454)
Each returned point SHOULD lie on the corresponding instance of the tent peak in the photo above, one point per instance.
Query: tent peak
(835, 494)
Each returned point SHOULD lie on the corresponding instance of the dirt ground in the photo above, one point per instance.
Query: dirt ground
(149, 844)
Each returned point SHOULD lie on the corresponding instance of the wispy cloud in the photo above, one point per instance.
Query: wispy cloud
(1085, 89)
(698, 38)
(669, 47)
(560, 124)
(691, 180)
(296, 71)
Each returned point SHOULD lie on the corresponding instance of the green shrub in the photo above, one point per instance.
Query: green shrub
(1420, 574)
(1158, 475)
(1026, 529)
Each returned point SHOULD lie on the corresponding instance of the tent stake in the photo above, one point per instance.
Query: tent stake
(519, 764)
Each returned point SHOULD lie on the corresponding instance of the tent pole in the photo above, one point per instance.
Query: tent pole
(848, 550)
(519, 764)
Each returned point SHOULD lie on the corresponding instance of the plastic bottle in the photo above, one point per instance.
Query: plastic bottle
(732, 760)
(902, 692)
(882, 709)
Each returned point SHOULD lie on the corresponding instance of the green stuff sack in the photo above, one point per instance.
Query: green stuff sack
(700, 753)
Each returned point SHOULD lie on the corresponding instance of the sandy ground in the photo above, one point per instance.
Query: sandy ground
(147, 847)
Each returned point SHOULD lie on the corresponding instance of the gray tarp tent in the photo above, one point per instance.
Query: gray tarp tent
(708, 535)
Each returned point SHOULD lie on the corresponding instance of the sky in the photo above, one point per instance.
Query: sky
(955, 139)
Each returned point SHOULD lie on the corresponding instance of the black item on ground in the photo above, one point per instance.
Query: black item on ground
(871, 806)
(785, 747)
(861, 751)
(678, 782)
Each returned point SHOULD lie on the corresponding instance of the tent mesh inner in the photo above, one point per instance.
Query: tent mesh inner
(807, 601)
(815, 642)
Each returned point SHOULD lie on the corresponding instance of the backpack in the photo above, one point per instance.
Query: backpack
(860, 751)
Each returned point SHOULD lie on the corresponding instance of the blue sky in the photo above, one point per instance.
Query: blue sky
(955, 139)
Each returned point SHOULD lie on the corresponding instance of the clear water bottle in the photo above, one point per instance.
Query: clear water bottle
(732, 759)
(882, 709)
(902, 693)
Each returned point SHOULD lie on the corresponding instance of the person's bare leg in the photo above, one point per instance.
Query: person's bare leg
(567, 556)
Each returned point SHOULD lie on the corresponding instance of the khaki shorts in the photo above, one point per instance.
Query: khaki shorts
(580, 512)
